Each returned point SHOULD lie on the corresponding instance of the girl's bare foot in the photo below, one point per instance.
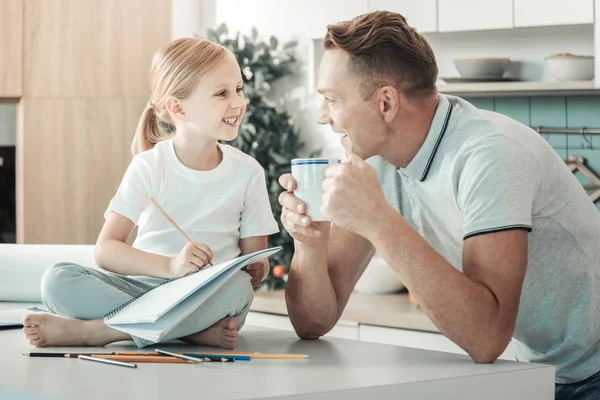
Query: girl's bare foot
(221, 334)
(48, 330)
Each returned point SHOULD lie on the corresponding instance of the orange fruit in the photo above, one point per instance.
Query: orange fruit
(278, 271)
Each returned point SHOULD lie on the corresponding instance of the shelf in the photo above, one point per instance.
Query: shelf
(499, 89)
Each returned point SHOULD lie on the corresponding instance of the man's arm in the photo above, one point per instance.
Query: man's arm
(476, 309)
(322, 278)
(327, 263)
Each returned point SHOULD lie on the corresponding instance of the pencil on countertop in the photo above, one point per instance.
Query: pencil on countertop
(264, 356)
(60, 355)
(230, 354)
(105, 361)
(182, 356)
(144, 359)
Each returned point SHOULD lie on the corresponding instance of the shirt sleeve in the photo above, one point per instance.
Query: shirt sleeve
(134, 192)
(498, 181)
(257, 215)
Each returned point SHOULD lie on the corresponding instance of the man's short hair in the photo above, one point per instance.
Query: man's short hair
(385, 50)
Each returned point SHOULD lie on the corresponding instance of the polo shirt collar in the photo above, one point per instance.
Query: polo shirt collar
(419, 166)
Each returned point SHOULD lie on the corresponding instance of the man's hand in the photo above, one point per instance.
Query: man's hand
(352, 196)
(258, 272)
(293, 217)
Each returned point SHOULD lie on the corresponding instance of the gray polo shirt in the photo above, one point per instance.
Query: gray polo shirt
(480, 172)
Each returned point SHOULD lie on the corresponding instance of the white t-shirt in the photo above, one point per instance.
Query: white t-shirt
(217, 207)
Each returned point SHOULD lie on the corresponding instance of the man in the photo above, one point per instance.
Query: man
(477, 215)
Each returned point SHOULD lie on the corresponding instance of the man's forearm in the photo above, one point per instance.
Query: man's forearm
(310, 297)
(464, 310)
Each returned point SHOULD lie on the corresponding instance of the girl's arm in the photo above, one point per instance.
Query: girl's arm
(112, 253)
(258, 271)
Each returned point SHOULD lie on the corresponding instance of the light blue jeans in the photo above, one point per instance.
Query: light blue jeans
(73, 291)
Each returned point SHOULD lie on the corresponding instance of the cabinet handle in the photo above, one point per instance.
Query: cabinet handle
(1, 162)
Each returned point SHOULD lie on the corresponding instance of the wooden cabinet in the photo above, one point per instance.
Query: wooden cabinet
(421, 15)
(89, 48)
(72, 155)
(553, 12)
(85, 84)
(11, 48)
(416, 339)
(468, 15)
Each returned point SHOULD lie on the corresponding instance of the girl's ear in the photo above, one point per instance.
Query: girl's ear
(175, 109)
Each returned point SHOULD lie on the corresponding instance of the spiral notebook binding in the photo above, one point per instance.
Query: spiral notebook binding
(118, 309)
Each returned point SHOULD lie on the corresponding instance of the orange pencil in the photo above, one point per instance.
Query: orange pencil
(264, 356)
(170, 219)
(144, 359)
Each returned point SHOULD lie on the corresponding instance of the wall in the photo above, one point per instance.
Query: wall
(559, 112)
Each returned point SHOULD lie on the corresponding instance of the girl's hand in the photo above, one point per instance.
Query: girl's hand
(192, 258)
(258, 272)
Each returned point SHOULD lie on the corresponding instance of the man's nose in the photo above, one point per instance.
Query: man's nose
(323, 118)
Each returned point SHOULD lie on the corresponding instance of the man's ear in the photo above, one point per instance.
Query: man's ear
(175, 109)
(388, 99)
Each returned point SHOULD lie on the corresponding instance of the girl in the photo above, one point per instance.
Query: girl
(216, 194)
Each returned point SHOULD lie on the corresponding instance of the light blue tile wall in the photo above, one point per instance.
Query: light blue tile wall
(556, 112)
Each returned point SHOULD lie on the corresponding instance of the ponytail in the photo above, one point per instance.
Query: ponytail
(150, 130)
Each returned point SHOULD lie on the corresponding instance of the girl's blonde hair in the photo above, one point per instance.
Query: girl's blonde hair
(176, 70)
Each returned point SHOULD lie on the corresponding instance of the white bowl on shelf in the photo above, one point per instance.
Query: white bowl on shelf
(570, 67)
(378, 278)
(482, 68)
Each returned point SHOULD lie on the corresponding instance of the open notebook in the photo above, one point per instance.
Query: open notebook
(157, 311)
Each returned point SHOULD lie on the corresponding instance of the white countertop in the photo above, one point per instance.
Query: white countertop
(337, 369)
(388, 310)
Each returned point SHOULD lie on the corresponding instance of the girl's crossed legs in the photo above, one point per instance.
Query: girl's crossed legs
(82, 296)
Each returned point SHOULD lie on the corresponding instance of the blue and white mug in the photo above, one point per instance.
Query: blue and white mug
(309, 174)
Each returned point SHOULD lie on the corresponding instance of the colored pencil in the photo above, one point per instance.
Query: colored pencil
(265, 356)
(105, 361)
(144, 359)
(65, 355)
(163, 212)
(168, 353)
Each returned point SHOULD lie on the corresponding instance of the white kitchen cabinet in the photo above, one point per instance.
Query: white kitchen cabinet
(421, 15)
(416, 339)
(553, 12)
(469, 15)
(343, 329)
(315, 15)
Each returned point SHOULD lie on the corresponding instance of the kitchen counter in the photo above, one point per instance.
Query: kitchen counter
(388, 310)
(337, 369)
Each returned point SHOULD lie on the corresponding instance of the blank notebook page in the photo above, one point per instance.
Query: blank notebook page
(155, 303)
